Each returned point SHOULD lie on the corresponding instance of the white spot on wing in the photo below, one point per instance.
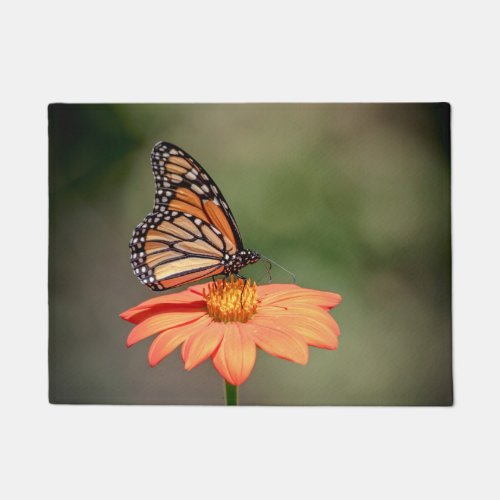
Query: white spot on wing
(192, 174)
(196, 189)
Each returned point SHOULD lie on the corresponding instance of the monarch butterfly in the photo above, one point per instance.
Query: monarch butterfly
(191, 233)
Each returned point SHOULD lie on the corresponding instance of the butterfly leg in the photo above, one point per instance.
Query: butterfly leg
(268, 268)
(244, 286)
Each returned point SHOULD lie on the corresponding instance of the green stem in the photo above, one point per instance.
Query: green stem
(231, 392)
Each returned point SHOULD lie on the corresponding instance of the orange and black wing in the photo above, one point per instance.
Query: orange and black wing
(191, 230)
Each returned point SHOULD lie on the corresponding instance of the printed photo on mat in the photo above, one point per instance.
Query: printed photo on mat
(250, 254)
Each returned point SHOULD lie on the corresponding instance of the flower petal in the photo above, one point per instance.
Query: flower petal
(278, 342)
(197, 290)
(235, 358)
(162, 322)
(167, 341)
(201, 345)
(314, 325)
(175, 302)
(167, 298)
(284, 295)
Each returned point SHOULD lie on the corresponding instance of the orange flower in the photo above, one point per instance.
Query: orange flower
(227, 320)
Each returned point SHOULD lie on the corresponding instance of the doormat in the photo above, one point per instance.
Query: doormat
(250, 254)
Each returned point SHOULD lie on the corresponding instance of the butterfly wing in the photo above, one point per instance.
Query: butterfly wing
(191, 229)
(183, 185)
(169, 249)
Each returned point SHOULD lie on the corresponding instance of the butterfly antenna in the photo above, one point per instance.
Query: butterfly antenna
(281, 267)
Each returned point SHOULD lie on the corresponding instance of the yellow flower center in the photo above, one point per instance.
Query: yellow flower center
(233, 300)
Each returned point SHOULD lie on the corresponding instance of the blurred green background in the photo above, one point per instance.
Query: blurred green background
(353, 198)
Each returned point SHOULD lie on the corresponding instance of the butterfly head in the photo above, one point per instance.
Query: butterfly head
(242, 258)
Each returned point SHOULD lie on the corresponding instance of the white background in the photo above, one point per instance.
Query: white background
(249, 51)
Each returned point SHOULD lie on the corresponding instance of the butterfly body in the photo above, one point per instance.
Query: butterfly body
(191, 233)
(242, 258)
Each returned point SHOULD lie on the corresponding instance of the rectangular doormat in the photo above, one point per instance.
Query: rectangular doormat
(250, 254)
